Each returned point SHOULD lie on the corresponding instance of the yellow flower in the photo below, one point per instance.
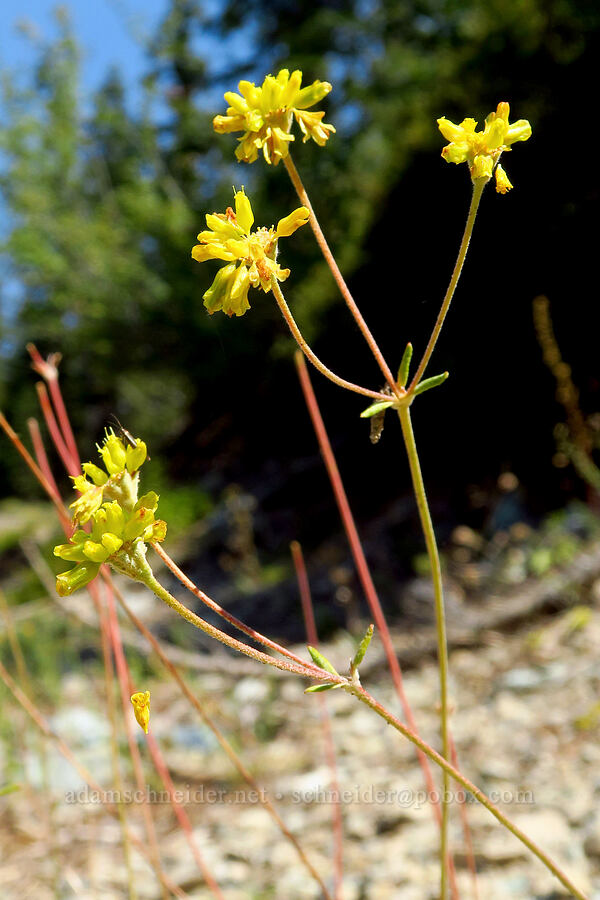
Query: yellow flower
(482, 149)
(502, 183)
(251, 255)
(121, 524)
(121, 463)
(265, 114)
(114, 538)
(141, 708)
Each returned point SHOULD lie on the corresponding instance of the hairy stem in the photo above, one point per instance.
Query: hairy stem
(478, 187)
(314, 359)
(163, 594)
(339, 279)
(482, 798)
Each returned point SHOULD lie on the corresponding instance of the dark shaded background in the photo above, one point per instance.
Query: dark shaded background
(103, 201)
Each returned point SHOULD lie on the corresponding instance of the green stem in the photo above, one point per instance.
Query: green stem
(440, 622)
(449, 769)
(147, 578)
(478, 187)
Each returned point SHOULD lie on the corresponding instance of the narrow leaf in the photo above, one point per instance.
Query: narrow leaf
(375, 408)
(9, 789)
(405, 365)
(317, 688)
(362, 648)
(431, 383)
(321, 661)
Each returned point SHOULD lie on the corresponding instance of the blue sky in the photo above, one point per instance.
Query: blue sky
(110, 32)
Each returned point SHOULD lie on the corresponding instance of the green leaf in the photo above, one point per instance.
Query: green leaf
(321, 661)
(431, 383)
(405, 365)
(375, 408)
(362, 648)
(317, 688)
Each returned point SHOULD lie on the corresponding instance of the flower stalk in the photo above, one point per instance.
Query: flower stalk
(440, 624)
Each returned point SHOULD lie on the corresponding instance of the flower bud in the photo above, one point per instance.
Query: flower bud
(82, 574)
(141, 708)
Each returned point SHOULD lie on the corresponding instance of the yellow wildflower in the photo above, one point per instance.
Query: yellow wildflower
(141, 708)
(114, 538)
(502, 183)
(482, 149)
(121, 463)
(265, 114)
(251, 255)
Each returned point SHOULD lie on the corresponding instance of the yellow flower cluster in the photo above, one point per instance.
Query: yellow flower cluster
(251, 255)
(482, 149)
(266, 114)
(121, 524)
(122, 463)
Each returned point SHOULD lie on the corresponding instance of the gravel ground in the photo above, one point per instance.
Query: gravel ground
(526, 723)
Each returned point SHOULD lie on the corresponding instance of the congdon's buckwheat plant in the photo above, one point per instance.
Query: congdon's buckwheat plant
(122, 526)
(265, 116)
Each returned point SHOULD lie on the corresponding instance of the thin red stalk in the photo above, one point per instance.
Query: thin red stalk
(126, 690)
(52, 425)
(438, 759)
(226, 746)
(63, 420)
(237, 623)
(48, 369)
(313, 639)
(233, 643)
(339, 278)
(42, 723)
(107, 629)
(40, 453)
(182, 816)
(112, 716)
(464, 817)
(22, 450)
(364, 576)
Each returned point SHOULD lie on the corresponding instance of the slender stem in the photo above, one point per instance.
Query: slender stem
(20, 447)
(339, 278)
(478, 794)
(162, 593)
(313, 639)
(110, 623)
(104, 796)
(237, 623)
(440, 620)
(226, 746)
(478, 187)
(287, 315)
(114, 753)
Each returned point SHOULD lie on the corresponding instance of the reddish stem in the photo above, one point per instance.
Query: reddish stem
(364, 575)
(126, 690)
(313, 639)
(339, 278)
(42, 723)
(50, 490)
(52, 425)
(40, 453)
(48, 369)
(226, 746)
(182, 816)
(237, 623)
(464, 817)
